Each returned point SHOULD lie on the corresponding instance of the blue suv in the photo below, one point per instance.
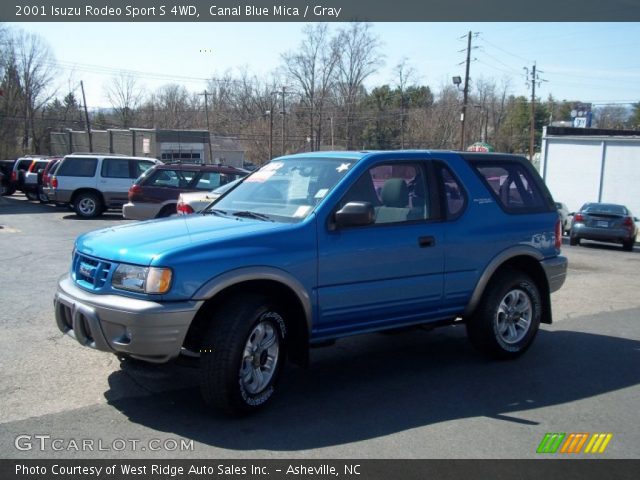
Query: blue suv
(314, 247)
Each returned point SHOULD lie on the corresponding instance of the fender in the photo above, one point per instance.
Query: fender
(246, 274)
(490, 269)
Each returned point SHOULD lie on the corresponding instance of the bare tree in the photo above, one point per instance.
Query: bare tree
(33, 69)
(359, 58)
(613, 116)
(173, 107)
(125, 97)
(310, 68)
(404, 74)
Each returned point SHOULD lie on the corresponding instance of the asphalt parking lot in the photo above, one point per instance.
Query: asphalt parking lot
(414, 394)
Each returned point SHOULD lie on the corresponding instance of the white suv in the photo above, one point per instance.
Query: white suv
(92, 182)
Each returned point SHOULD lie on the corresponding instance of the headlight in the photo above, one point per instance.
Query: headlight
(142, 279)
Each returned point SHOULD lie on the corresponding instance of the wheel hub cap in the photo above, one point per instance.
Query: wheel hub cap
(513, 318)
(260, 357)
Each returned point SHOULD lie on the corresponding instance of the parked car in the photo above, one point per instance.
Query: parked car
(94, 182)
(6, 167)
(192, 202)
(33, 178)
(18, 173)
(604, 222)
(156, 193)
(563, 211)
(305, 251)
(44, 179)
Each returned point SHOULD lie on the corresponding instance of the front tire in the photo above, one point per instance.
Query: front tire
(242, 355)
(508, 317)
(87, 205)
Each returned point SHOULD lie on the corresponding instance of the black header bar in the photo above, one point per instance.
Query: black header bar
(318, 10)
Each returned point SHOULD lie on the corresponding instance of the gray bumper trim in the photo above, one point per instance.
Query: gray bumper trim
(148, 330)
(556, 270)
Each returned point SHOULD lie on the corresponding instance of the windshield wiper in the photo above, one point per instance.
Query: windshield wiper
(249, 214)
(215, 211)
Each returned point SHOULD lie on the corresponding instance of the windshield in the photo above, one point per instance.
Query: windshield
(285, 190)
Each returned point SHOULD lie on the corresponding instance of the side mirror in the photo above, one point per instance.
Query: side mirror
(636, 219)
(355, 214)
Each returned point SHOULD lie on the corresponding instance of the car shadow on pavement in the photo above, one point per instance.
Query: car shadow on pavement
(605, 246)
(383, 384)
(107, 216)
(14, 205)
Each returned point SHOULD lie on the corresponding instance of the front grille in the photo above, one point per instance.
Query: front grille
(89, 272)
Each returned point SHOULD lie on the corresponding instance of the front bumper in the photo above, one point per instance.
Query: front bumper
(556, 271)
(142, 329)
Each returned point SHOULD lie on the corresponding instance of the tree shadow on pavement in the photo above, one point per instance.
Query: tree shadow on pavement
(377, 385)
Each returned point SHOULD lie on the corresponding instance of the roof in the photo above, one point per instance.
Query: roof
(200, 167)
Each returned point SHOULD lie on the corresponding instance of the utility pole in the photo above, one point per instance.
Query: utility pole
(532, 126)
(86, 116)
(270, 112)
(206, 112)
(331, 121)
(284, 89)
(283, 112)
(465, 93)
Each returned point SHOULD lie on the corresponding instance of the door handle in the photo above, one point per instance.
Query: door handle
(428, 241)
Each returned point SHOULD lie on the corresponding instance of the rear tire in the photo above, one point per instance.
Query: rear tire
(88, 205)
(628, 246)
(574, 241)
(507, 319)
(243, 354)
(32, 196)
(167, 211)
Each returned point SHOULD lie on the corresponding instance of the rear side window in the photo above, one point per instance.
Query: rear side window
(455, 197)
(171, 178)
(77, 167)
(513, 186)
(115, 168)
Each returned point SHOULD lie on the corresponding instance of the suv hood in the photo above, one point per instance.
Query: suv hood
(139, 243)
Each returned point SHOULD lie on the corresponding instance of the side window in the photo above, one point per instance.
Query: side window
(171, 178)
(453, 192)
(77, 167)
(208, 181)
(140, 167)
(512, 185)
(115, 168)
(398, 192)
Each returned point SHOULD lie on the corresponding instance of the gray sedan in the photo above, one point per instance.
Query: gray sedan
(605, 222)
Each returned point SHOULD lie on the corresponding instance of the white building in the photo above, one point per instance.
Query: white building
(592, 165)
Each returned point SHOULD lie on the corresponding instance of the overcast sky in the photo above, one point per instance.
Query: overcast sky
(592, 62)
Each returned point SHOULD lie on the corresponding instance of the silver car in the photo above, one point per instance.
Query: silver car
(605, 222)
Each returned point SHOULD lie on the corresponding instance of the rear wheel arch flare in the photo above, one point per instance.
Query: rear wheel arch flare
(522, 261)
